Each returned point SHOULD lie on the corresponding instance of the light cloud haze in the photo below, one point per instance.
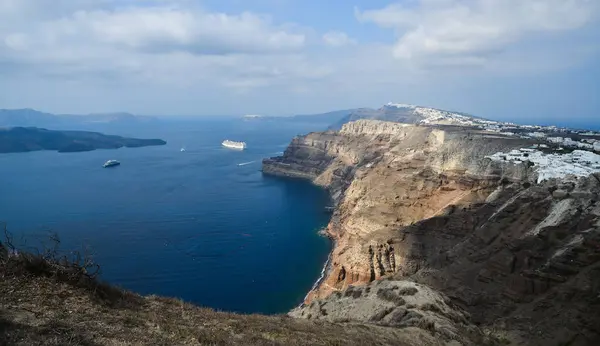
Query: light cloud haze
(505, 59)
(337, 39)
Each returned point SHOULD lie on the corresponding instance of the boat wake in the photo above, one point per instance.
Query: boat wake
(246, 163)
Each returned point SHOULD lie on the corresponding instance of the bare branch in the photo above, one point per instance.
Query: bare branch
(8, 238)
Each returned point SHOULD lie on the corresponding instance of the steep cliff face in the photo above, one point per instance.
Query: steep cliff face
(386, 175)
(424, 204)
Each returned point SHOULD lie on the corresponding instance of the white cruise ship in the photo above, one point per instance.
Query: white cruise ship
(234, 145)
(111, 163)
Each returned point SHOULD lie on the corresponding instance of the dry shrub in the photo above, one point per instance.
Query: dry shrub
(75, 268)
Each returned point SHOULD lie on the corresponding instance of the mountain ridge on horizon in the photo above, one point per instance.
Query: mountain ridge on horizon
(29, 117)
(395, 112)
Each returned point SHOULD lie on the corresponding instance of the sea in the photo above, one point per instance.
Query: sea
(203, 225)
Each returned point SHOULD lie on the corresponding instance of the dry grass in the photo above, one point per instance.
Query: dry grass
(41, 305)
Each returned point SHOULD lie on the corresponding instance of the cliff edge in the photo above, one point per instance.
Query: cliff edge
(444, 207)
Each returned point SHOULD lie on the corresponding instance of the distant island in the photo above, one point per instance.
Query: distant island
(30, 117)
(25, 139)
(325, 118)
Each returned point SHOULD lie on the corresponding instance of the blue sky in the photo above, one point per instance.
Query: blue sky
(534, 60)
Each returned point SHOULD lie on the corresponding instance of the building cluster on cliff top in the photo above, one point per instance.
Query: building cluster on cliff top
(578, 163)
(559, 151)
(588, 140)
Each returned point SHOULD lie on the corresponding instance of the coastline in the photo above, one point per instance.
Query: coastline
(326, 267)
(326, 231)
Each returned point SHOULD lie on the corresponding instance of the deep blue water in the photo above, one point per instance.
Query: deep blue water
(204, 225)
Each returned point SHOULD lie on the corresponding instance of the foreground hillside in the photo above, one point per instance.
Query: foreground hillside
(47, 302)
(438, 206)
(24, 139)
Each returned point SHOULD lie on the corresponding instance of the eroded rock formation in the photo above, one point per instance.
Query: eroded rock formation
(424, 204)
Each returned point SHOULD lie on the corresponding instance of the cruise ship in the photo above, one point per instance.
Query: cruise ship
(111, 163)
(234, 145)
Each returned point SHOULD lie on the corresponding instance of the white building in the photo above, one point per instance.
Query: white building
(579, 163)
(569, 142)
(536, 134)
(585, 145)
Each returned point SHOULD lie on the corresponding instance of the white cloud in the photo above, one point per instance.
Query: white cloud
(162, 29)
(337, 39)
(162, 56)
(198, 32)
(165, 42)
(469, 31)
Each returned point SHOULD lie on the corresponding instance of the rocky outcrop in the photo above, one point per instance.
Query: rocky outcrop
(424, 204)
(376, 127)
(399, 304)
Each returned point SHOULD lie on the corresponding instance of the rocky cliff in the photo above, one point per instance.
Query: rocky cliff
(424, 204)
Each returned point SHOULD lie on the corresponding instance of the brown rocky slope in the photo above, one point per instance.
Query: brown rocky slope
(423, 204)
(44, 301)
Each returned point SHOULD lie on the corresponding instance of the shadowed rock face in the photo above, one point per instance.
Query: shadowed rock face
(424, 204)
(531, 268)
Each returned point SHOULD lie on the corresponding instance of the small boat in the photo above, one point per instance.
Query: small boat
(182, 149)
(111, 163)
(234, 145)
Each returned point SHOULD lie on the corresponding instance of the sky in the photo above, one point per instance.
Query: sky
(526, 60)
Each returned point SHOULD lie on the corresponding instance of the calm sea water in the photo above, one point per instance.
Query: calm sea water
(204, 225)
